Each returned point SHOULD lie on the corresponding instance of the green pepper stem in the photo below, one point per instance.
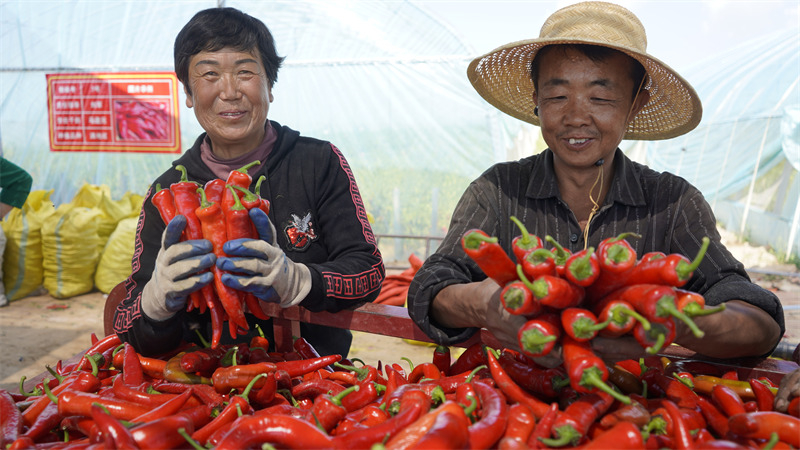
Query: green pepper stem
(667, 304)
(655, 348)
(410, 363)
(48, 392)
(250, 385)
(474, 240)
(561, 255)
(694, 309)
(772, 442)
(684, 269)
(203, 340)
(567, 434)
(244, 168)
(474, 371)
(35, 391)
(592, 378)
(625, 311)
(195, 445)
(525, 240)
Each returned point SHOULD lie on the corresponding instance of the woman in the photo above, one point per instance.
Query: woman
(320, 253)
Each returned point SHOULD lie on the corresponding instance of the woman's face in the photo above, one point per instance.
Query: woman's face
(230, 94)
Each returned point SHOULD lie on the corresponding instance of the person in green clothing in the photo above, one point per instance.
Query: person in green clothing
(15, 185)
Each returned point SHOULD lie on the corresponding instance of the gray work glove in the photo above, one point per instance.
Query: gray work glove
(259, 266)
(177, 272)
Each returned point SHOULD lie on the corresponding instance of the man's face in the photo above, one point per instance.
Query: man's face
(230, 96)
(584, 105)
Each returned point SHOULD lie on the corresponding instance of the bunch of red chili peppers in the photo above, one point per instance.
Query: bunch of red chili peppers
(569, 298)
(236, 397)
(218, 212)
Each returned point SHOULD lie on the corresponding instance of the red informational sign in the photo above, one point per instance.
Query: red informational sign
(114, 112)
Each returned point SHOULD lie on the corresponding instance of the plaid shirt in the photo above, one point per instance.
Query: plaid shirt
(669, 214)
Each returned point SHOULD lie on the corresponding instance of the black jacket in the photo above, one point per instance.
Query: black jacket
(320, 220)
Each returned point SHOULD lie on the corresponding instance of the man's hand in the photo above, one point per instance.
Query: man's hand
(259, 266)
(180, 270)
(787, 390)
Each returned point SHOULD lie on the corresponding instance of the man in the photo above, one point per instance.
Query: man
(588, 82)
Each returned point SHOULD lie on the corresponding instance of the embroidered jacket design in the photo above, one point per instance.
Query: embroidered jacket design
(300, 232)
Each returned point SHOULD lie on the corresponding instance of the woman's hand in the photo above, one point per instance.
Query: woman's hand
(260, 267)
(180, 269)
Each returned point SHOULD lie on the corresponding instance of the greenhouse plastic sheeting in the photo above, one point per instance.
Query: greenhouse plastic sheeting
(384, 81)
(744, 156)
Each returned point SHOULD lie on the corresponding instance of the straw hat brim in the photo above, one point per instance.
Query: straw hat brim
(502, 77)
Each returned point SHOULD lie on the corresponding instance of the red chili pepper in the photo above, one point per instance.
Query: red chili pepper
(328, 409)
(581, 324)
(544, 427)
(520, 423)
(587, 372)
(132, 373)
(794, 407)
(621, 318)
(714, 417)
(560, 255)
(659, 335)
(203, 361)
(167, 408)
(215, 190)
(240, 177)
(109, 342)
(673, 269)
(554, 291)
(573, 424)
(424, 370)
(237, 406)
(368, 392)
(163, 432)
(443, 427)
(671, 388)
(761, 425)
(493, 417)
(238, 225)
(656, 303)
(615, 254)
(413, 403)
(538, 336)
(213, 226)
(472, 357)
(693, 304)
(727, 400)
(543, 382)
(238, 377)
(512, 389)
(635, 413)
(114, 433)
(184, 193)
(704, 384)
(582, 268)
(280, 430)
(164, 203)
(525, 242)
(301, 367)
(441, 358)
(764, 396)
(623, 435)
(538, 262)
(518, 299)
(489, 256)
(10, 419)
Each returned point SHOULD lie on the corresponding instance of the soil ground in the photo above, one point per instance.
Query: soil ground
(39, 330)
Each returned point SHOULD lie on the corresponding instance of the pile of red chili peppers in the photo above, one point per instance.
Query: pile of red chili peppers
(218, 212)
(237, 397)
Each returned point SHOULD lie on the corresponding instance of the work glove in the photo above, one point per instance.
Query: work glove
(259, 266)
(180, 270)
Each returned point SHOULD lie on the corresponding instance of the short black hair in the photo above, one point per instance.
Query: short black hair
(595, 53)
(216, 28)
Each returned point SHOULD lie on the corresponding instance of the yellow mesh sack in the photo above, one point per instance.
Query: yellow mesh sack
(22, 263)
(115, 262)
(70, 243)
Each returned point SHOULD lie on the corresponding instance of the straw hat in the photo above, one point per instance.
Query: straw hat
(503, 78)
